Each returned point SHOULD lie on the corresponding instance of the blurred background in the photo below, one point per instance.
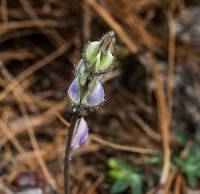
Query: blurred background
(145, 139)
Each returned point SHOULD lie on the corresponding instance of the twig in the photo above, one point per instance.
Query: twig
(19, 90)
(95, 185)
(138, 120)
(163, 115)
(19, 93)
(12, 55)
(134, 22)
(122, 147)
(178, 183)
(5, 27)
(9, 134)
(36, 121)
(61, 118)
(171, 61)
(86, 22)
(36, 148)
(59, 40)
(145, 127)
(169, 182)
(151, 191)
(116, 27)
(30, 70)
(4, 10)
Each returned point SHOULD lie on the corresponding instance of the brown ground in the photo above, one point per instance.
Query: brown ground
(152, 93)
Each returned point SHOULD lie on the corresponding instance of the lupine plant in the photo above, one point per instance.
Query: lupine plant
(86, 93)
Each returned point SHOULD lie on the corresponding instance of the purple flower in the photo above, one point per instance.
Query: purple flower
(94, 96)
(80, 135)
(97, 95)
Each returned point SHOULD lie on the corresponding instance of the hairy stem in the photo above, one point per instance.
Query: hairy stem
(67, 152)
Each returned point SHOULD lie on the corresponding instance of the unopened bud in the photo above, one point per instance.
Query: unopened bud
(80, 135)
(98, 54)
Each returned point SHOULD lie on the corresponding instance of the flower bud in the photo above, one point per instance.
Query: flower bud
(106, 62)
(80, 135)
(98, 54)
(93, 97)
(107, 42)
(91, 51)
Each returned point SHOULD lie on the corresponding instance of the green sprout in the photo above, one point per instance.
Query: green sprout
(124, 177)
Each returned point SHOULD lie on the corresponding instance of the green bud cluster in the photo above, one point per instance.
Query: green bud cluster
(98, 54)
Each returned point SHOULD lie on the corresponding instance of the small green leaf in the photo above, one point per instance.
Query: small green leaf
(125, 175)
(116, 174)
(119, 186)
(190, 166)
(136, 183)
(136, 188)
(119, 164)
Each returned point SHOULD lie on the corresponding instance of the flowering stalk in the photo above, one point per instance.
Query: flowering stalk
(86, 92)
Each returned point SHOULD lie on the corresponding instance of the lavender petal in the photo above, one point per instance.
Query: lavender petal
(80, 134)
(97, 96)
(73, 91)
